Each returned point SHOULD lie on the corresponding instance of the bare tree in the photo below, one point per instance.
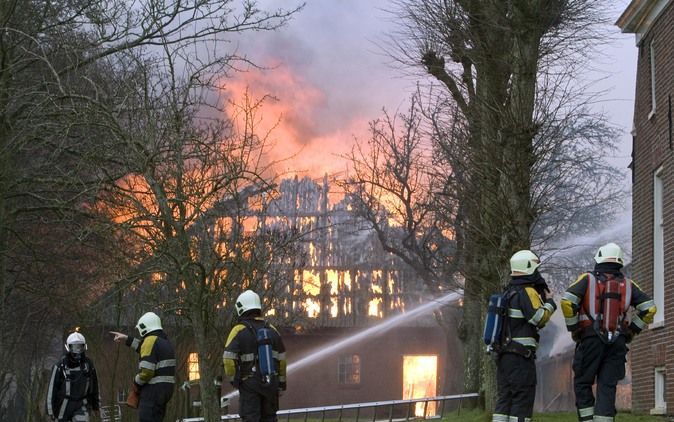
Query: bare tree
(65, 66)
(515, 158)
(490, 58)
(399, 186)
(397, 193)
(194, 179)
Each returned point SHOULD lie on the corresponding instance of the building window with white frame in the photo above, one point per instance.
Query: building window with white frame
(122, 394)
(651, 61)
(658, 248)
(660, 389)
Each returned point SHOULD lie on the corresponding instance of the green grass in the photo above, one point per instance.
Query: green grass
(475, 416)
(481, 416)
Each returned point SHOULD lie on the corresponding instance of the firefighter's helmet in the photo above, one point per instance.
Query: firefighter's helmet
(524, 262)
(148, 323)
(247, 301)
(76, 345)
(610, 252)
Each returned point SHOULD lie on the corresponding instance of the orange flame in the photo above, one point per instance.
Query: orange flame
(419, 380)
(311, 135)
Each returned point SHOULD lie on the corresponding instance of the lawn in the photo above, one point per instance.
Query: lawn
(474, 416)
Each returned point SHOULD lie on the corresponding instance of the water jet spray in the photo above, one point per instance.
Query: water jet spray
(379, 328)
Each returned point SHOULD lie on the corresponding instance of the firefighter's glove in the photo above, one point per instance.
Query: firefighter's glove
(552, 303)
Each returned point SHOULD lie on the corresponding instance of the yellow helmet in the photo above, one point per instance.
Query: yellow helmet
(524, 262)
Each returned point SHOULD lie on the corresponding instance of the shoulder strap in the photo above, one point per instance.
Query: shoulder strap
(248, 325)
(508, 294)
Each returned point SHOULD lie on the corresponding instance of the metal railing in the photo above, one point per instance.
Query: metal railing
(407, 405)
(111, 413)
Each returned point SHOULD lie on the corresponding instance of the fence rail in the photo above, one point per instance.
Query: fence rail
(111, 413)
(390, 405)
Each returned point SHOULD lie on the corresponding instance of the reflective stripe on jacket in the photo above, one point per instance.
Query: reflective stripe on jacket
(157, 362)
(579, 310)
(241, 351)
(75, 383)
(528, 313)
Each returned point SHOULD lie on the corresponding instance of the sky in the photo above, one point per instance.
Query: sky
(330, 77)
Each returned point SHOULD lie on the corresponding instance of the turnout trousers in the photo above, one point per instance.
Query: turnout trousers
(258, 402)
(153, 401)
(516, 382)
(75, 412)
(595, 361)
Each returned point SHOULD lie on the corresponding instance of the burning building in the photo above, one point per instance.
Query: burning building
(337, 284)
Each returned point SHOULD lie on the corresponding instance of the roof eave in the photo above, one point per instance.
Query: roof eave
(639, 16)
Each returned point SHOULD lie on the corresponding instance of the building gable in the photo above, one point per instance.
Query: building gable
(639, 16)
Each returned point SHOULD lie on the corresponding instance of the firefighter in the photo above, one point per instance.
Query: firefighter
(153, 384)
(529, 309)
(73, 386)
(258, 395)
(595, 310)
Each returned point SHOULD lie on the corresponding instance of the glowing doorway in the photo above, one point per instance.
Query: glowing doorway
(420, 375)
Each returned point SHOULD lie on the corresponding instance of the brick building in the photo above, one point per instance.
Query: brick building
(652, 21)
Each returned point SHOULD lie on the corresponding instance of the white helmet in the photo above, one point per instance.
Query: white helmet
(76, 345)
(246, 301)
(610, 252)
(148, 323)
(524, 262)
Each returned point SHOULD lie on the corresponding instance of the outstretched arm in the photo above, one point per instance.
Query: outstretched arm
(119, 337)
(132, 342)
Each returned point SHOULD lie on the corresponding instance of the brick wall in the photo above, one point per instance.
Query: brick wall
(381, 371)
(652, 149)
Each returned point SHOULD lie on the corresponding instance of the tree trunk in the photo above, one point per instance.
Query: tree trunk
(473, 350)
(210, 400)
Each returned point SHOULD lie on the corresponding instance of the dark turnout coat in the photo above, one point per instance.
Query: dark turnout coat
(73, 388)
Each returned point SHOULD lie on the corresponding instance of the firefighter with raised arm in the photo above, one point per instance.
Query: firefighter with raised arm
(73, 386)
(529, 310)
(596, 308)
(154, 383)
(254, 361)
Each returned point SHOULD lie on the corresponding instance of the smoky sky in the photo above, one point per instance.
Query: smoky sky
(330, 76)
(331, 50)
